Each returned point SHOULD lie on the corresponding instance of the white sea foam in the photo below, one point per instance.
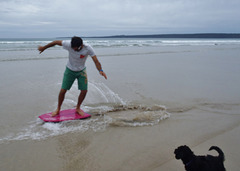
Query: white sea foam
(37, 130)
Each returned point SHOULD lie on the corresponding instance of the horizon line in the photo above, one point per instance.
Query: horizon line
(173, 35)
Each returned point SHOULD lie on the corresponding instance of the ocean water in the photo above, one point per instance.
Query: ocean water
(150, 82)
(26, 48)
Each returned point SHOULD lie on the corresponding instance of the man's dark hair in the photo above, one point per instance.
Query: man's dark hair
(76, 42)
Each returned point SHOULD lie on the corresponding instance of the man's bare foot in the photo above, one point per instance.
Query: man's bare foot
(55, 113)
(80, 112)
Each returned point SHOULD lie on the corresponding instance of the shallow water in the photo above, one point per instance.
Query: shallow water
(152, 95)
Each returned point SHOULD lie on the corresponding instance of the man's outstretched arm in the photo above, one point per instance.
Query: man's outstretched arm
(53, 43)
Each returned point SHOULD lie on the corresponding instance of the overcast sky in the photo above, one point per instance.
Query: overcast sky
(60, 18)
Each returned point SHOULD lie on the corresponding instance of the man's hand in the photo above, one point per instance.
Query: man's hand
(41, 49)
(103, 74)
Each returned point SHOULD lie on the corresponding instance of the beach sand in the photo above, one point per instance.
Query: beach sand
(166, 98)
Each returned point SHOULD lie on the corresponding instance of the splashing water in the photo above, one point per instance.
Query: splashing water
(107, 110)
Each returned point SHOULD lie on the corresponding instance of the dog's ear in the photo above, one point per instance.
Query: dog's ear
(178, 156)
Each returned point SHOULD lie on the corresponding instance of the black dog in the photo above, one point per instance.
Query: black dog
(200, 163)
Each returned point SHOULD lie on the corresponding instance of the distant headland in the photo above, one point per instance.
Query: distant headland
(197, 35)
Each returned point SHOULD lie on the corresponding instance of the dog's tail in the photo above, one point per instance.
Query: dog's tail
(221, 154)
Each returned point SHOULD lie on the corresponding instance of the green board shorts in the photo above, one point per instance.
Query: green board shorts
(70, 76)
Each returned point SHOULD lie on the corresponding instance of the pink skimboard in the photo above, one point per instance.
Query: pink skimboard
(64, 115)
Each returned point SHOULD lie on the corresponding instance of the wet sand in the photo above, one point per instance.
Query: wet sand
(129, 148)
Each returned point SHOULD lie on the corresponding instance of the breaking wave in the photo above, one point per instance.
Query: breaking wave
(31, 44)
